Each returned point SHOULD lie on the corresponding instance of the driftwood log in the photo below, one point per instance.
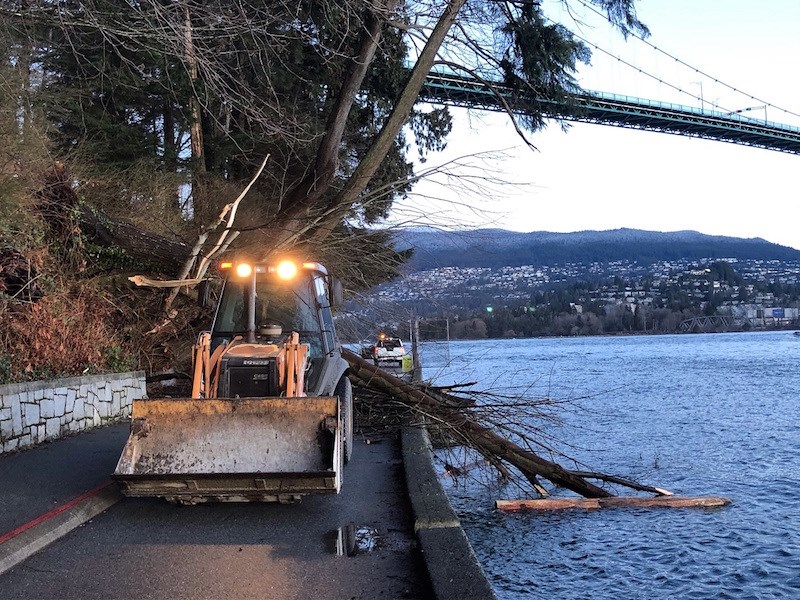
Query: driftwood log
(615, 502)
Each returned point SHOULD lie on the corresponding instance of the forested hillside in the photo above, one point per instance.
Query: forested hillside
(152, 138)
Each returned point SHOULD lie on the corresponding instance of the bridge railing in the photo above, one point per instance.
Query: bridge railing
(683, 108)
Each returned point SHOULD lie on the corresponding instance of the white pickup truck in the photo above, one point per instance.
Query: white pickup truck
(385, 349)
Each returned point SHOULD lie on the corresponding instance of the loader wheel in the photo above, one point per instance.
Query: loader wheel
(344, 390)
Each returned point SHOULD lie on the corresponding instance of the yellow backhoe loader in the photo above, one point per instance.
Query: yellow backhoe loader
(270, 417)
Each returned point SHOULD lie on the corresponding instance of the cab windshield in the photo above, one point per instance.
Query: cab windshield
(290, 305)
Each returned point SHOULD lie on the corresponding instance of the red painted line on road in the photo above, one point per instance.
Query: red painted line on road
(56, 511)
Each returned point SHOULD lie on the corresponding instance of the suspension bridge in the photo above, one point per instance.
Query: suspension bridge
(621, 111)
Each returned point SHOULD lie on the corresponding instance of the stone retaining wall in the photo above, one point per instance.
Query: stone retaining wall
(33, 412)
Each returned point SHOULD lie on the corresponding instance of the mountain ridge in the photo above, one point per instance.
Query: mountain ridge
(498, 247)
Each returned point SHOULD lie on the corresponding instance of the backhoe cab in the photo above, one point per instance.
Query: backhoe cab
(270, 417)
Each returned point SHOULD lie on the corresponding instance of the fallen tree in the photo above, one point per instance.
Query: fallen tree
(458, 417)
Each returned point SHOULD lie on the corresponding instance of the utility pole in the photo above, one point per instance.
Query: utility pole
(417, 376)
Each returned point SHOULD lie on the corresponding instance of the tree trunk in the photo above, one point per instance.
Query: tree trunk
(463, 424)
(302, 199)
(170, 145)
(295, 216)
(377, 152)
(167, 253)
(196, 131)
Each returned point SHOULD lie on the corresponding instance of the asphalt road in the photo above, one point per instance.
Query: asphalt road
(358, 544)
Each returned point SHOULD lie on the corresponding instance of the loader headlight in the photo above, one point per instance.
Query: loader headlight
(244, 270)
(286, 269)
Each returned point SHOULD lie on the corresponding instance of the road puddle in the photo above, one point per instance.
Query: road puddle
(352, 540)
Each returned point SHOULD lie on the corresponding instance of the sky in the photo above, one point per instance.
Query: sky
(599, 177)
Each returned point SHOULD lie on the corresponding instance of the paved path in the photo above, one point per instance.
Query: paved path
(359, 544)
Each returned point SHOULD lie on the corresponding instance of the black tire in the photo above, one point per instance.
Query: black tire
(344, 390)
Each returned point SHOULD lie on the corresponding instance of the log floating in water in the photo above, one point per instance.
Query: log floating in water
(616, 501)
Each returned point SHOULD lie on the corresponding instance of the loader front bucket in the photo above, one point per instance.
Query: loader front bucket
(191, 450)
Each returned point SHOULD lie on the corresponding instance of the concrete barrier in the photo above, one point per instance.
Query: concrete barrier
(37, 411)
(452, 566)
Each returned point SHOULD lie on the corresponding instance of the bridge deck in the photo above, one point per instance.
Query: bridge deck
(620, 111)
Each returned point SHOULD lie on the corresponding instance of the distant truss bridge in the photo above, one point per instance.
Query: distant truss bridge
(718, 323)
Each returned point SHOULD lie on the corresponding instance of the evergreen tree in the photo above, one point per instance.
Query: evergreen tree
(200, 92)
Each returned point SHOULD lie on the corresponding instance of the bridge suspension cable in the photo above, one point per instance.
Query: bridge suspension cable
(681, 62)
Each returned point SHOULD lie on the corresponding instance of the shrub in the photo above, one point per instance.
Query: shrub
(66, 333)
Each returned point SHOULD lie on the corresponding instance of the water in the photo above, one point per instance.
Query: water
(352, 540)
(713, 414)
